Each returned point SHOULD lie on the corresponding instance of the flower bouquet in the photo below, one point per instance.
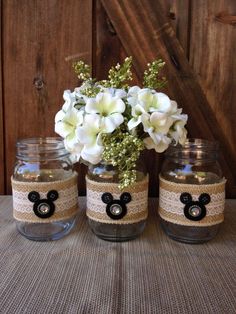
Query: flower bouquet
(107, 124)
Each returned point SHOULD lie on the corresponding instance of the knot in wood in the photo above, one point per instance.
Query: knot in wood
(38, 83)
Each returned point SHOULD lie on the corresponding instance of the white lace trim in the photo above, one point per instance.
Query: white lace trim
(137, 206)
(170, 202)
(66, 200)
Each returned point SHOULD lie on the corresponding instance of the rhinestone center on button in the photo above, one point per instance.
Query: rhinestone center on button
(44, 208)
(116, 209)
(194, 210)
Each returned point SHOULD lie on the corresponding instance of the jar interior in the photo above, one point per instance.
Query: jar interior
(193, 163)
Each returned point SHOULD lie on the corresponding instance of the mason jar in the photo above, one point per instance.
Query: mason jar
(44, 186)
(114, 214)
(192, 192)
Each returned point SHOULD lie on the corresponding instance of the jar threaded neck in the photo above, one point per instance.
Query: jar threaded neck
(33, 149)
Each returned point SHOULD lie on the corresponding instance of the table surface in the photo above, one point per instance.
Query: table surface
(83, 274)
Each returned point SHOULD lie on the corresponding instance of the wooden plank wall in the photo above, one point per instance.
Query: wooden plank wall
(36, 44)
(2, 167)
(212, 56)
(41, 38)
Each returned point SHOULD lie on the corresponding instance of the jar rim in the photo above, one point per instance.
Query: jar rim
(201, 148)
(199, 142)
(51, 141)
(41, 147)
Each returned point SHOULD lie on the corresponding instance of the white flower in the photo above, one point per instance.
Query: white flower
(137, 112)
(149, 99)
(74, 147)
(160, 145)
(156, 123)
(157, 126)
(146, 101)
(70, 100)
(178, 131)
(66, 123)
(115, 92)
(132, 95)
(109, 108)
(89, 134)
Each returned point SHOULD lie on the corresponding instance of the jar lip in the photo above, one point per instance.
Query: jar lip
(50, 142)
(41, 147)
(194, 144)
(201, 148)
(200, 143)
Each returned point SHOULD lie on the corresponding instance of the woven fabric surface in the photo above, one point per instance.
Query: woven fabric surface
(83, 274)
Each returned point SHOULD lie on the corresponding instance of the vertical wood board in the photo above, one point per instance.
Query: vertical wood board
(2, 165)
(39, 36)
(212, 56)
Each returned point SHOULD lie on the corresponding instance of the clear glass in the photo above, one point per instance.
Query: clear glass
(114, 232)
(43, 160)
(193, 163)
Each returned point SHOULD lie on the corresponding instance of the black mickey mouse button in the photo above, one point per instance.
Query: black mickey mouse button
(195, 210)
(116, 209)
(43, 208)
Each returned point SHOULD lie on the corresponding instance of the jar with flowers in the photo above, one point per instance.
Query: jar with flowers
(106, 125)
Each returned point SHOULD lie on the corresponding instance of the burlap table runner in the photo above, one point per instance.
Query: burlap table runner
(83, 274)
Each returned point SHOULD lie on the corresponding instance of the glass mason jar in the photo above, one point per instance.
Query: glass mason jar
(44, 185)
(116, 215)
(192, 192)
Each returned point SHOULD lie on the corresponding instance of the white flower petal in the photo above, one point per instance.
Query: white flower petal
(160, 147)
(70, 100)
(115, 92)
(133, 90)
(87, 133)
(63, 129)
(146, 96)
(120, 93)
(91, 106)
(164, 102)
(92, 154)
(134, 122)
(161, 122)
(109, 124)
(59, 116)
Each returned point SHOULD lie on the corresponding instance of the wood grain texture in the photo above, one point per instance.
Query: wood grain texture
(39, 36)
(2, 164)
(178, 14)
(107, 47)
(212, 56)
(145, 23)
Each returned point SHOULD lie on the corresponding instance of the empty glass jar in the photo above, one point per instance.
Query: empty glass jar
(45, 197)
(115, 215)
(192, 192)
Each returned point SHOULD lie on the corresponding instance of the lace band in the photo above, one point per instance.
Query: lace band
(107, 204)
(192, 205)
(45, 202)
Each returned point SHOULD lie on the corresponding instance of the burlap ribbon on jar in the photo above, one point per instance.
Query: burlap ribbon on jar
(33, 201)
(130, 204)
(183, 204)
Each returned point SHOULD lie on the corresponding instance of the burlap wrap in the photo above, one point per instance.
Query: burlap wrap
(172, 209)
(66, 206)
(137, 209)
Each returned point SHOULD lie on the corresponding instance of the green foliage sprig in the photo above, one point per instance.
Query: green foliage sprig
(151, 77)
(122, 150)
(119, 75)
(83, 70)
